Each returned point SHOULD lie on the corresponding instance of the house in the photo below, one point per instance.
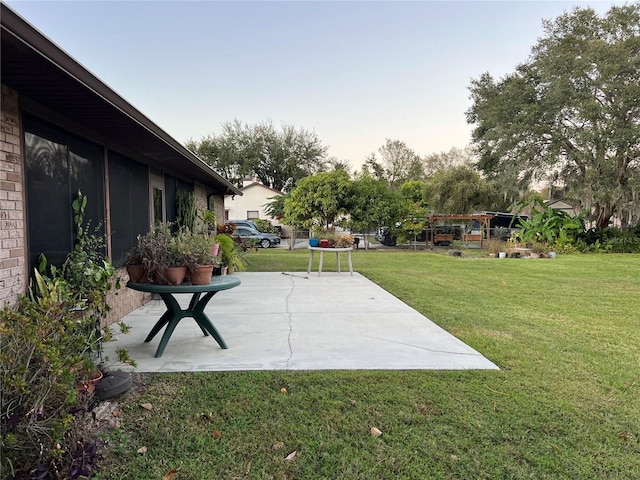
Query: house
(63, 130)
(251, 205)
(562, 206)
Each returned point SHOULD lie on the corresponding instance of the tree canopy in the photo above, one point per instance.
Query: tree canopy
(371, 203)
(319, 200)
(398, 163)
(570, 114)
(461, 190)
(277, 158)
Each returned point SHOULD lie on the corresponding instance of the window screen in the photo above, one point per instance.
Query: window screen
(57, 165)
(129, 196)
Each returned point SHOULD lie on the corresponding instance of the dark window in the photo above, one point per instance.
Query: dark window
(57, 165)
(170, 197)
(129, 198)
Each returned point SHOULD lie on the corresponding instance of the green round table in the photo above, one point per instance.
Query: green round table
(195, 310)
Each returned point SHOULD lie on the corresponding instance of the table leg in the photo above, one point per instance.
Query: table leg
(173, 309)
(310, 262)
(320, 266)
(350, 264)
(174, 314)
(206, 325)
(338, 260)
(192, 305)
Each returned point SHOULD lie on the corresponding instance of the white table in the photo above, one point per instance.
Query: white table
(334, 250)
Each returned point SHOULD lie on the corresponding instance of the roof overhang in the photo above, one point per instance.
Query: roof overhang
(41, 71)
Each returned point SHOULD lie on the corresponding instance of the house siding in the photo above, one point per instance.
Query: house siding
(254, 197)
(12, 228)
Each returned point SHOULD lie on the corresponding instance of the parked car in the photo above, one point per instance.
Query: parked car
(385, 237)
(243, 223)
(247, 234)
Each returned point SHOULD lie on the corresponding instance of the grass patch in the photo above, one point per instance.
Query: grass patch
(565, 404)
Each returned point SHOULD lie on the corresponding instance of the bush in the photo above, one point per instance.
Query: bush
(265, 226)
(610, 239)
(42, 346)
(495, 246)
(49, 342)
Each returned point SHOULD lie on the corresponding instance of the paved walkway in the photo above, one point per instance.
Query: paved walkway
(295, 321)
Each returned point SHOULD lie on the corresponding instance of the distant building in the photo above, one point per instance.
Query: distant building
(251, 204)
(562, 206)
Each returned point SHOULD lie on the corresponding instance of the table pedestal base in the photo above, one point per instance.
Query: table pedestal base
(174, 314)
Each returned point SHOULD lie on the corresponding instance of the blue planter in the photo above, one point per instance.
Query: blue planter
(314, 242)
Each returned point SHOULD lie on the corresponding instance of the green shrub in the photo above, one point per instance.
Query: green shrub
(49, 342)
(265, 226)
(230, 253)
(610, 239)
(42, 346)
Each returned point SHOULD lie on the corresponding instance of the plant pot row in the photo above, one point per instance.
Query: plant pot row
(328, 243)
(200, 275)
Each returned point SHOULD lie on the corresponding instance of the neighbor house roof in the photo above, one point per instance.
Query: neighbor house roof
(42, 72)
(261, 185)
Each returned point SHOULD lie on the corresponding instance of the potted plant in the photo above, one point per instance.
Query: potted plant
(177, 258)
(133, 264)
(200, 258)
(344, 241)
(230, 255)
(154, 249)
(328, 239)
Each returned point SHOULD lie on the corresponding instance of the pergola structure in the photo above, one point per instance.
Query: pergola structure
(484, 219)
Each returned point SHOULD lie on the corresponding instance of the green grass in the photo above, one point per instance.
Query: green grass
(565, 404)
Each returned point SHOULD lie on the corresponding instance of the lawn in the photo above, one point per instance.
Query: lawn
(565, 333)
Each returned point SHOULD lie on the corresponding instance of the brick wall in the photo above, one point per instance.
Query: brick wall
(124, 300)
(201, 201)
(12, 228)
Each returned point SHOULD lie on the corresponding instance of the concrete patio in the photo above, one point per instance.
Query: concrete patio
(295, 321)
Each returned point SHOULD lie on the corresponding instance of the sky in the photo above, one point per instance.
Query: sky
(355, 73)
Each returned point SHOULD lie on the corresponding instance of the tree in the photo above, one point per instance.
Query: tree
(570, 113)
(414, 211)
(397, 164)
(276, 157)
(228, 153)
(461, 190)
(319, 200)
(372, 204)
(453, 158)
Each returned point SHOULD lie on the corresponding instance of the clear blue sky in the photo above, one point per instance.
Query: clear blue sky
(356, 73)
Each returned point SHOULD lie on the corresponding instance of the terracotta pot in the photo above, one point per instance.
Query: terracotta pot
(201, 275)
(96, 376)
(87, 387)
(137, 273)
(175, 275)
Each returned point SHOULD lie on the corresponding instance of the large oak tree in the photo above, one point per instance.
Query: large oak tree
(276, 157)
(570, 114)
